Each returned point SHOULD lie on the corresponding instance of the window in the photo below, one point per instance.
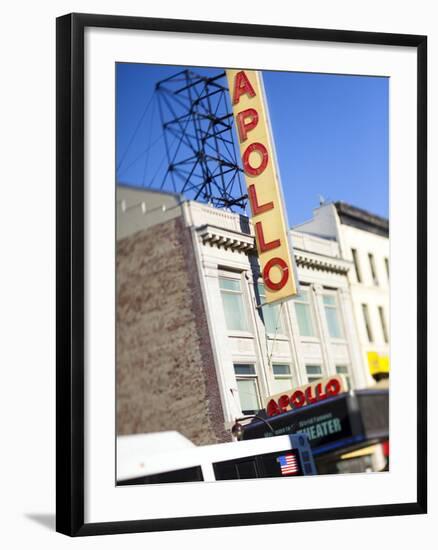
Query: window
(282, 377)
(314, 372)
(383, 324)
(271, 313)
(373, 269)
(332, 316)
(356, 265)
(234, 308)
(247, 386)
(344, 371)
(366, 319)
(304, 313)
(387, 267)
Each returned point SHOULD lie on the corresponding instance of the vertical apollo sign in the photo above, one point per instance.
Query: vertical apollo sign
(262, 181)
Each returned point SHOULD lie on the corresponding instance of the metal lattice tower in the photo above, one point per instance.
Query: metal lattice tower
(197, 123)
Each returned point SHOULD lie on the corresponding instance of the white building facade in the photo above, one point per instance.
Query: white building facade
(262, 350)
(363, 240)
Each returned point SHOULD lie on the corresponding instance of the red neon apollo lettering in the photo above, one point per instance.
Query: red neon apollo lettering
(283, 403)
(298, 399)
(248, 168)
(255, 159)
(306, 396)
(284, 269)
(257, 208)
(244, 126)
(263, 245)
(242, 86)
(333, 387)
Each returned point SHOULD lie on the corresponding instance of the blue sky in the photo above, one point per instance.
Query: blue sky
(330, 133)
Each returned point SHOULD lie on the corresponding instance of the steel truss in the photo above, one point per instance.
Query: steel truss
(197, 124)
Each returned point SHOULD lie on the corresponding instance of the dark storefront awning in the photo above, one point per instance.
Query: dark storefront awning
(349, 420)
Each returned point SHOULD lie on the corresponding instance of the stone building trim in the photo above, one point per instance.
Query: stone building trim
(227, 239)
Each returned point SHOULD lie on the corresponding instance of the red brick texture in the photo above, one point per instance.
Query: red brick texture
(166, 378)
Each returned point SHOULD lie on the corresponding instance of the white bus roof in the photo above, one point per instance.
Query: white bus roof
(134, 461)
(153, 443)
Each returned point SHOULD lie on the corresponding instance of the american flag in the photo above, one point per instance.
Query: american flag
(288, 464)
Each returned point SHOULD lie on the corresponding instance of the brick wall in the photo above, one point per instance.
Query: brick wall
(166, 377)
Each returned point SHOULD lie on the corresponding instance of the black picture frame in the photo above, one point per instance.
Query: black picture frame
(70, 272)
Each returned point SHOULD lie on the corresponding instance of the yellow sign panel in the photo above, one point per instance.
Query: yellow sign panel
(378, 364)
(262, 181)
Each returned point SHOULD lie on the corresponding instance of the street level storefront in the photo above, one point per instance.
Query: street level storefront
(337, 427)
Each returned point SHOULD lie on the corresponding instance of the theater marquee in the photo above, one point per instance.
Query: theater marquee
(308, 394)
(262, 181)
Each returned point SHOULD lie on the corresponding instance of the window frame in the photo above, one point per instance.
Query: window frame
(310, 304)
(367, 322)
(280, 331)
(373, 269)
(386, 261)
(235, 277)
(312, 375)
(339, 317)
(356, 263)
(288, 376)
(383, 324)
(253, 376)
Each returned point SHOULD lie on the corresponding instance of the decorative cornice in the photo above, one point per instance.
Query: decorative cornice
(321, 263)
(234, 240)
(227, 239)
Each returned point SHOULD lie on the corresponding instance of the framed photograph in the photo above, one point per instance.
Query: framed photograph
(241, 274)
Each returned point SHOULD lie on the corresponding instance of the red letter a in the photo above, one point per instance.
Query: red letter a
(242, 86)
